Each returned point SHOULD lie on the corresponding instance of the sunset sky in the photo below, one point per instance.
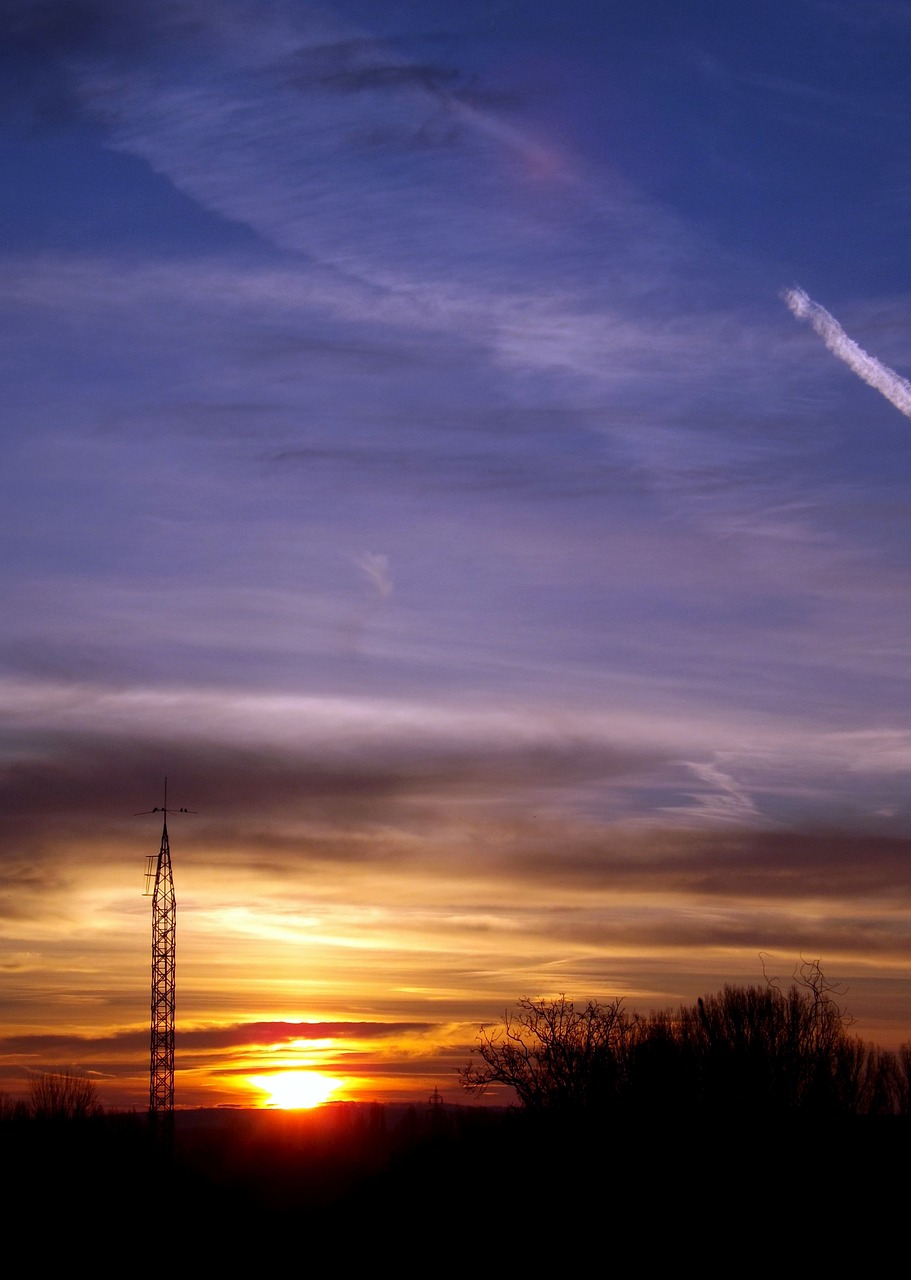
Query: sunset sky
(411, 452)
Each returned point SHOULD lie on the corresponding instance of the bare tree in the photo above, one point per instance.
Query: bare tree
(764, 1050)
(10, 1108)
(62, 1095)
(897, 1072)
(554, 1056)
(751, 1051)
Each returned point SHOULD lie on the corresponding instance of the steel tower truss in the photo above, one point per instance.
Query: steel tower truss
(164, 955)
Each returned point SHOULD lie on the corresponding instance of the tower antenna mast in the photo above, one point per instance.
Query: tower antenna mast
(159, 887)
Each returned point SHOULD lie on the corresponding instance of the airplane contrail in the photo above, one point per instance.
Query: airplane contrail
(886, 381)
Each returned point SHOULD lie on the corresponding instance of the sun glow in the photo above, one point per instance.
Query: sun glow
(296, 1090)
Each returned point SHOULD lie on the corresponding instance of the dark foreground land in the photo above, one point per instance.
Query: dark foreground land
(497, 1188)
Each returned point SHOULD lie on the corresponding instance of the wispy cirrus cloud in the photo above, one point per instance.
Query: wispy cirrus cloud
(376, 567)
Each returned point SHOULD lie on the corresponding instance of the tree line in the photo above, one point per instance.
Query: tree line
(750, 1051)
(54, 1096)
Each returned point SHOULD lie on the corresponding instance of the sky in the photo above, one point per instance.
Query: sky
(467, 451)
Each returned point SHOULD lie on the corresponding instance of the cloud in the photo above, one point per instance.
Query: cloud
(747, 869)
(66, 780)
(445, 240)
(895, 388)
(319, 794)
(78, 751)
(376, 567)
(721, 799)
(230, 1035)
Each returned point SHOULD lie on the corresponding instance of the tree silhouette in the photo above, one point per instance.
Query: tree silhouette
(62, 1095)
(554, 1056)
(750, 1051)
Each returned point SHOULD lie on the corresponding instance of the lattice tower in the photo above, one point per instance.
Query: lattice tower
(164, 960)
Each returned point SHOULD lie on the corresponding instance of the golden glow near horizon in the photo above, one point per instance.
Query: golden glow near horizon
(296, 1090)
(379, 974)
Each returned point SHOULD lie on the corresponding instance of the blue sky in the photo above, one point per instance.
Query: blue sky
(409, 451)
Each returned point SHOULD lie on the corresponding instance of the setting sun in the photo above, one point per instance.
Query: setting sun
(296, 1090)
